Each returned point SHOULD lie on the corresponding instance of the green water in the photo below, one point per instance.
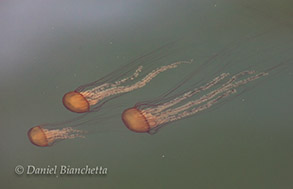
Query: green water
(50, 47)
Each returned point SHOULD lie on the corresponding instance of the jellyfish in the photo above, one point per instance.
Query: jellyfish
(44, 137)
(49, 134)
(92, 96)
(81, 101)
(149, 117)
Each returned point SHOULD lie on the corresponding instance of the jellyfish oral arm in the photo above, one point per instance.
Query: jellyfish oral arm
(189, 94)
(171, 111)
(200, 108)
(91, 92)
(96, 94)
(135, 75)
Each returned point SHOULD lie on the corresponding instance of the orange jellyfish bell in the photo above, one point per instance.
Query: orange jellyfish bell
(135, 120)
(38, 137)
(76, 102)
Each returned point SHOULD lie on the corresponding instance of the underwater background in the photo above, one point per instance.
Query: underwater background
(48, 48)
